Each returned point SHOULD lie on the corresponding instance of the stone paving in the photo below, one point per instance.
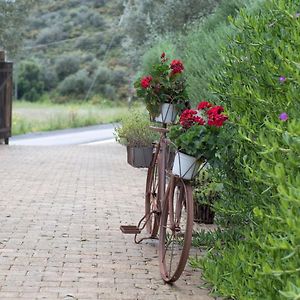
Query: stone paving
(60, 210)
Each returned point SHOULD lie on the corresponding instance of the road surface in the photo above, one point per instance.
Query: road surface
(75, 136)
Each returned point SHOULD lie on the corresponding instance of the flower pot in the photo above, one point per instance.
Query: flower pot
(203, 213)
(168, 113)
(139, 157)
(185, 166)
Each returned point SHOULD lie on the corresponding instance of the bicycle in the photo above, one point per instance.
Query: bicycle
(168, 212)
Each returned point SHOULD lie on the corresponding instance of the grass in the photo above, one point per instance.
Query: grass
(46, 116)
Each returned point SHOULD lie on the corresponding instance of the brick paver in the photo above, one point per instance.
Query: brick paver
(60, 210)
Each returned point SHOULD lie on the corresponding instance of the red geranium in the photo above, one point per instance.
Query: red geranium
(189, 118)
(211, 117)
(161, 85)
(145, 81)
(176, 66)
(198, 132)
(216, 119)
(203, 105)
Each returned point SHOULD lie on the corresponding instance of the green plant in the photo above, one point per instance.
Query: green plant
(31, 85)
(197, 133)
(206, 188)
(134, 130)
(259, 82)
(66, 65)
(165, 83)
(75, 84)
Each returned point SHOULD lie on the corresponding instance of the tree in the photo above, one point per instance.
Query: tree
(145, 19)
(12, 18)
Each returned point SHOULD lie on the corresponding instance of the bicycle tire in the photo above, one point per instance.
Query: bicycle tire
(151, 198)
(176, 229)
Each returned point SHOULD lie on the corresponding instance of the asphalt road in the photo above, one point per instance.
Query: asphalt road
(76, 136)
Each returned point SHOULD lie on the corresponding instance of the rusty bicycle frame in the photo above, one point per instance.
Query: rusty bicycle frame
(164, 210)
(158, 160)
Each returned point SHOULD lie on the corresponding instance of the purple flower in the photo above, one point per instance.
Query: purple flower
(297, 15)
(282, 79)
(283, 116)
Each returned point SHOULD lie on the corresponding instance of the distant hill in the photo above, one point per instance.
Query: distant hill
(72, 47)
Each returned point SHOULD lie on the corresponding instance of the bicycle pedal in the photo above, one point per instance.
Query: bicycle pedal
(130, 229)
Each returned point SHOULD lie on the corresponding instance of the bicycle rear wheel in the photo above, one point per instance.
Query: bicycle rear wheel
(151, 198)
(176, 228)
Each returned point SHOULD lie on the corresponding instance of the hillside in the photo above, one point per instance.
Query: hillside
(73, 46)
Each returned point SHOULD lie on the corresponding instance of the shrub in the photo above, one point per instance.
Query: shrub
(49, 35)
(104, 75)
(202, 47)
(75, 84)
(30, 86)
(258, 81)
(109, 92)
(66, 65)
(50, 79)
(89, 42)
(134, 130)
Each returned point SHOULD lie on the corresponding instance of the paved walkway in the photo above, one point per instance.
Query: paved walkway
(60, 211)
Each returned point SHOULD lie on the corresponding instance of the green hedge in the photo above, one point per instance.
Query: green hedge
(202, 46)
(259, 78)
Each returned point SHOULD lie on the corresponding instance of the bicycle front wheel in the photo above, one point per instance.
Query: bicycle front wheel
(176, 228)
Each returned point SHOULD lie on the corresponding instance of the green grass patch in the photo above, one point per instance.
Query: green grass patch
(45, 116)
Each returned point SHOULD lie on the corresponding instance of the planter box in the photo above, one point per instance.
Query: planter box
(139, 157)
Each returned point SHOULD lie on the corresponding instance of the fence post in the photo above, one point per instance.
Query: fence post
(6, 91)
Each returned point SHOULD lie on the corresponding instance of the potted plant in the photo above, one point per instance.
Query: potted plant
(164, 90)
(196, 138)
(135, 133)
(206, 191)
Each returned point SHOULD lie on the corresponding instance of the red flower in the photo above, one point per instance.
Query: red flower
(163, 55)
(176, 66)
(189, 118)
(215, 119)
(215, 110)
(204, 104)
(145, 81)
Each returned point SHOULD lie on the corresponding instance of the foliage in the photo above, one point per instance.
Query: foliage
(261, 162)
(75, 84)
(134, 130)
(13, 17)
(197, 133)
(206, 187)
(31, 85)
(162, 17)
(65, 37)
(202, 46)
(211, 238)
(66, 65)
(165, 83)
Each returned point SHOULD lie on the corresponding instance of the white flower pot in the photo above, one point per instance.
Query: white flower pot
(168, 113)
(185, 166)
